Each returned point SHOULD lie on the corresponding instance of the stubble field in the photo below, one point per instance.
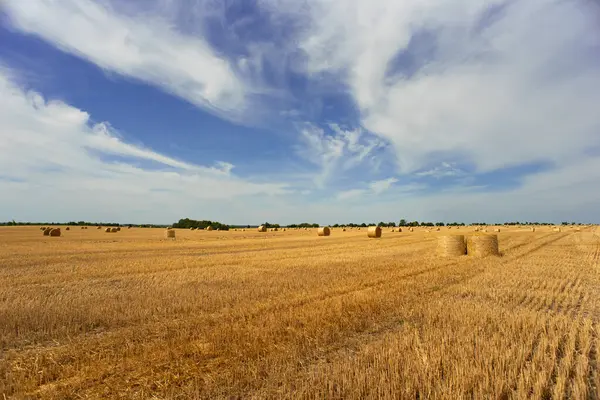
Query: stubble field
(293, 315)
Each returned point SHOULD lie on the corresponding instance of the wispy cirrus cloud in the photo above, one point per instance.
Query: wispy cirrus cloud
(136, 45)
(336, 150)
(53, 148)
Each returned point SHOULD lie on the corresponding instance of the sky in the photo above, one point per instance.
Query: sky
(286, 111)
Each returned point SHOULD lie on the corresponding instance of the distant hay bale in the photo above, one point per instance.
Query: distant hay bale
(283, 229)
(42, 228)
(107, 230)
(47, 231)
(343, 229)
(532, 229)
(99, 227)
(437, 229)
(209, 228)
(324, 231)
(275, 229)
(556, 229)
(128, 227)
(411, 229)
(497, 230)
(482, 245)
(114, 230)
(170, 234)
(67, 229)
(374, 232)
(427, 231)
(262, 228)
(399, 229)
(55, 232)
(118, 229)
(83, 227)
(451, 246)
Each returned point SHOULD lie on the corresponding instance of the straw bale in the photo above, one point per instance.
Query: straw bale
(262, 228)
(482, 245)
(556, 229)
(47, 231)
(451, 246)
(532, 229)
(118, 229)
(497, 229)
(374, 232)
(107, 230)
(399, 229)
(209, 228)
(170, 234)
(114, 230)
(324, 231)
(67, 229)
(55, 232)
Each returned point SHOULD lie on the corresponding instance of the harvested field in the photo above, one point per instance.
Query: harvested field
(293, 315)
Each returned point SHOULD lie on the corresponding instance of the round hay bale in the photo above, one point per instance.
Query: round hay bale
(114, 230)
(482, 245)
(393, 230)
(275, 229)
(344, 230)
(556, 229)
(99, 227)
(107, 230)
(55, 232)
(399, 229)
(170, 234)
(128, 227)
(209, 228)
(262, 228)
(451, 246)
(497, 230)
(47, 231)
(374, 232)
(42, 228)
(437, 229)
(411, 229)
(324, 231)
(118, 229)
(532, 229)
(83, 227)
(67, 229)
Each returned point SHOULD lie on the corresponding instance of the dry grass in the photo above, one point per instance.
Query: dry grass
(287, 315)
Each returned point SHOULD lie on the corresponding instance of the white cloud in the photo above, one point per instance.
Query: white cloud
(494, 94)
(381, 186)
(56, 163)
(373, 188)
(444, 170)
(337, 151)
(137, 46)
(350, 194)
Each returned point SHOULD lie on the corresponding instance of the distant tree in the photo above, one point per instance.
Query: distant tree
(402, 222)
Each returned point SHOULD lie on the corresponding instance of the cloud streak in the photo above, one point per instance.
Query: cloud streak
(51, 151)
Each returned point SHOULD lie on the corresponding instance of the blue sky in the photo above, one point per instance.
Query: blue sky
(322, 110)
